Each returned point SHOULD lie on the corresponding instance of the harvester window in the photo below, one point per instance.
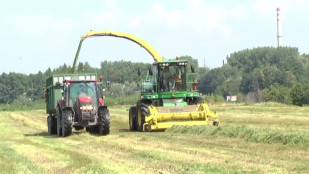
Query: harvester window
(172, 77)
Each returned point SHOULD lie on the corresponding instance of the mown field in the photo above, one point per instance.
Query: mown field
(265, 138)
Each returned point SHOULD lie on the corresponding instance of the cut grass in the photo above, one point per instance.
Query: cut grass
(265, 135)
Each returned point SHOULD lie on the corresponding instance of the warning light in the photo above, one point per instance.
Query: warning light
(194, 87)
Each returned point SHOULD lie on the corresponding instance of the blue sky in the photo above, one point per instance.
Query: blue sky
(38, 34)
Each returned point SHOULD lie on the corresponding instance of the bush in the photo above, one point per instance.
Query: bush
(278, 93)
(300, 94)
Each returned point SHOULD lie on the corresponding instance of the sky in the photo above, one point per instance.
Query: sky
(38, 34)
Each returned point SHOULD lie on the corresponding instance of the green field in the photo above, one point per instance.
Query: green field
(264, 138)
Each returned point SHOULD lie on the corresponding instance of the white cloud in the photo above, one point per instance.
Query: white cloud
(175, 18)
(136, 22)
(239, 12)
(197, 16)
(64, 24)
(33, 25)
(158, 10)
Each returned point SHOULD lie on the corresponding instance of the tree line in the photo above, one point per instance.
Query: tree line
(261, 74)
(254, 75)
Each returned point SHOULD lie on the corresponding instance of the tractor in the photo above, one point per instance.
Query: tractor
(76, 101)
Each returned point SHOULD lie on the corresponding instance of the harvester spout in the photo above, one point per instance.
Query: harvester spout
(154, 54)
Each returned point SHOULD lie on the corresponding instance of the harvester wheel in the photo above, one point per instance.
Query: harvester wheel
(132, 118)
(66, 123)
(142, 112)
(104, 121)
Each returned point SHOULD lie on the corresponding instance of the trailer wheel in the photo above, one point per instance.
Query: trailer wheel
(54, 125)
(66, 123)
(58, 121)
(104, 121)
(142, 112)
(132, 118)
(51, 125)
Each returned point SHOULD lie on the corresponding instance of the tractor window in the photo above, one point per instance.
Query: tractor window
(82, 89)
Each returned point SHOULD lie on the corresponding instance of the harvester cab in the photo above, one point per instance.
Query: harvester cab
(169, 96)
(80, 105)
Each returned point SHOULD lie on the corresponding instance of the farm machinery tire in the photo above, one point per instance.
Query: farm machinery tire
(132, 119)
(66, 120)
(142, 112)
(59, 127)
(103, 121)
(51, 125)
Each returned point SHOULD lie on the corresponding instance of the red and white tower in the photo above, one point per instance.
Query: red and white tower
(279, 28)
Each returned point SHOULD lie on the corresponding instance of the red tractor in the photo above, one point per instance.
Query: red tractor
(81, 106)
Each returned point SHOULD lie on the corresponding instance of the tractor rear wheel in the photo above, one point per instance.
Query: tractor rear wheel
(66, 123)
(142, 112)
(132, 118)
(104, 122)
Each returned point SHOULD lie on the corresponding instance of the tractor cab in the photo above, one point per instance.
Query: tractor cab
(171, 76)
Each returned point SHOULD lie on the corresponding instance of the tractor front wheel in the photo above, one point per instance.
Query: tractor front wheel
(104, 121)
